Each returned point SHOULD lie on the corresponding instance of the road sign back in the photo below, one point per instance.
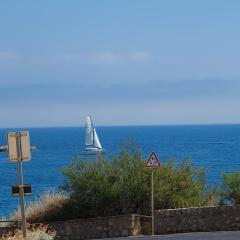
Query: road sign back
(152, 161)
(19, 146)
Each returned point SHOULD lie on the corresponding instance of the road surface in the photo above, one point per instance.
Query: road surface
(188, 236)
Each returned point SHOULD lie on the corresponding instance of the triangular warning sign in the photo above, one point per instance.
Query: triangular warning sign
(152, 161)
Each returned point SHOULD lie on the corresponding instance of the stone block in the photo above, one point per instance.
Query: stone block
(106, 228)
(238, 225)
(194, 227)
(68, 229)
(110, 222)
(172, 213)
(100, 228)
(75, 228)
(188, 211)
(167, 213)
(194, 211)
(124, 233)
(201, 222)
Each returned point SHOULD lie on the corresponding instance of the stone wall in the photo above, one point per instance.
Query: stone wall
(8, 227)
(146, 225)
(7, 230)
(220, 218)
(116, 226)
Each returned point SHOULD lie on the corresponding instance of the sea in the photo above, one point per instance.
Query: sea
(213, 147)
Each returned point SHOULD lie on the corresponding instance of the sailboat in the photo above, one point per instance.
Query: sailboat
(92, 143)
(5, 148)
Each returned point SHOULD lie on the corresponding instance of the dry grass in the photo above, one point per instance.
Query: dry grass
(46, 208)
(41, 232)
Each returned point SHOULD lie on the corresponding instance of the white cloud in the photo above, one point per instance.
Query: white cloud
(139, 56)
(73, 58)
(112, 58)
(7, 56)
(105, 58)
(98, 58)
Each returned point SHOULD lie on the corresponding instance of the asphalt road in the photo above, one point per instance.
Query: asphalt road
(189, 236)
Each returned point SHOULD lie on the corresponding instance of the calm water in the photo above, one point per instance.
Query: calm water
(215, 147)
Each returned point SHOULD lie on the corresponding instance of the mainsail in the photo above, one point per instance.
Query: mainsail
(91, 138)
(88, 131)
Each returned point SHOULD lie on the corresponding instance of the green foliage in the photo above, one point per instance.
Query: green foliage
(122, 185)
(181, 186)
(231, 188)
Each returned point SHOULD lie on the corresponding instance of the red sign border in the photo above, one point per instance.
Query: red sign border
(152, 153)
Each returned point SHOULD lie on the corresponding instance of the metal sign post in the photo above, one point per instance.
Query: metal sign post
(19, 150)
(20, 181)
(152, 163)
(152, 198)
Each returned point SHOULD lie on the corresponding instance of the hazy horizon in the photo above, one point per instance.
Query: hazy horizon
(96, 125)
(125, 62)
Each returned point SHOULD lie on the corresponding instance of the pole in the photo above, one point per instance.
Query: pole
(20, 182)
(152, 201)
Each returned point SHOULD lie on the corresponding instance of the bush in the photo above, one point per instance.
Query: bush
(230, 191)
(121, 185)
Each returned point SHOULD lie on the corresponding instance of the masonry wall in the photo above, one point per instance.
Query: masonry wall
(7, 230)
(218, 218)
(114, 226)
(117, 226)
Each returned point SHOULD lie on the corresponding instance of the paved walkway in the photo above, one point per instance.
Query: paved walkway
(189, 236)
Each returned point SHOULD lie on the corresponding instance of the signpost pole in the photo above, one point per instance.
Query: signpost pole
(152, 163)
(152, 204)
(20, 181)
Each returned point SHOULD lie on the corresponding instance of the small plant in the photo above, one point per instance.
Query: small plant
(41, 232)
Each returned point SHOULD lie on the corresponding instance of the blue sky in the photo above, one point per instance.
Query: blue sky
(125, 62)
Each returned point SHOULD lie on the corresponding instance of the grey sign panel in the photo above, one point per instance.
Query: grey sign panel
(25, 146)
(12, 146)
(19, 146)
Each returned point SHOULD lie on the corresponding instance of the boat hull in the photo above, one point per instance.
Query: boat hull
(93, 151)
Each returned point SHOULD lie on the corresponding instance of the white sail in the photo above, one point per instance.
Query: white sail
(96, 142)
(92, 143)
(88, 131)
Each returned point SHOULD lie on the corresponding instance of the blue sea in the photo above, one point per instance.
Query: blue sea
(214, 147)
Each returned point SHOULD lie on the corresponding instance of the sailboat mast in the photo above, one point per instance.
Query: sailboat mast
(92, 130)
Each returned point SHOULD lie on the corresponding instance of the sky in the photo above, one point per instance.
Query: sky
(138, 62)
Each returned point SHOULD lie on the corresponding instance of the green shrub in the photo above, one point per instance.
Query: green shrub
(121, 185)
(230, 191)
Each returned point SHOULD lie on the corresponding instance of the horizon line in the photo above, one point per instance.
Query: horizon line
(131, 125)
